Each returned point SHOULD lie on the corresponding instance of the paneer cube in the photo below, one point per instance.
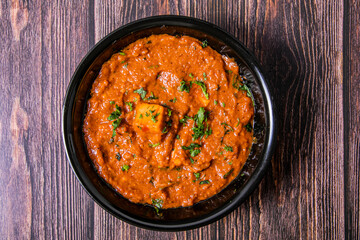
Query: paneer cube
(204, 101)
(149, 118)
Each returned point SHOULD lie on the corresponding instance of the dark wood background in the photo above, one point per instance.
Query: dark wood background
(311, 52)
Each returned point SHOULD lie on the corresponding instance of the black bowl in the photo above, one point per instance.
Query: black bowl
(205, 211)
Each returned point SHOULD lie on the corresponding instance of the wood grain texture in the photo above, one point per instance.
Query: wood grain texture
(311, 52)
(352, 119)
(41, 44)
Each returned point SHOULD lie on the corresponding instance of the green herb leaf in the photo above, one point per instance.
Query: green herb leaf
(185, 87)
(228, 148)
(228, 174)
(157, 203)
(238, 122)
(169, 112)
(204, 75)
(227, 125)
(193, 149)
(122, 53)
(178, 136)
(203, 88)
(115, 125)
(199, 128)
(204, 43)
(130, 104)
(248, 127)
(151, 97)
(116, 114)
(154, 145)
(142, 93)
(197, 176)
(125, 167)
(140, 116)
(191, 75)
(215, 102)
(239, 84)
(204, 182)
(153, 117)
(184, 120)
(112, 102)
(223, 104)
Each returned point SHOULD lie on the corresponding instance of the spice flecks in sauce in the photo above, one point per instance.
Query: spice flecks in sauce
(168, 140)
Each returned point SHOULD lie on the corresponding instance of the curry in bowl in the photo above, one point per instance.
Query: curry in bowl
(169, 121)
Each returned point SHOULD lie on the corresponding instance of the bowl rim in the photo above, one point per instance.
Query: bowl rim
(182, 21)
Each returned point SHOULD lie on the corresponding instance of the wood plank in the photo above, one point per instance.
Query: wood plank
(65, 27)
(312, 188)
(20, 78)
(299, 44)
(352, 120)
(39, 51)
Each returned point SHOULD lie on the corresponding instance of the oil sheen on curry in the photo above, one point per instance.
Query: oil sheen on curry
(169, 121)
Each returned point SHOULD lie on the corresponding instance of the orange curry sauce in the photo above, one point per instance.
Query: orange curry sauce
(169, 121)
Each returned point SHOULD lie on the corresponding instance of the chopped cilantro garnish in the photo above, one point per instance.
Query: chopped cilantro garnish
(122, 53)
(199, 127)
(223, 104)
(203, 88)
(192, 161)
(193, 149)
(228, 148)
(204, 43)
(197, 176)
(157, 203)
(248, 127)
(215, 102)
(178, 136)
(142, 92)
(238, 122)
(239, 84)
(153, 117)
(227, 125)
(168, 124)
(112, 102)
(152, 96)
(191, 75)
(173, 100)
(185, 87)
(140, 116)
(204, 75)
(228, 174)
(204, 182)
(130, 104)
(169, 112)
(115, 114)
(184, 120)
(125, 167)
(154, 145)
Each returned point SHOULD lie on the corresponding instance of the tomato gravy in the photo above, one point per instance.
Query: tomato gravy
(169, 121)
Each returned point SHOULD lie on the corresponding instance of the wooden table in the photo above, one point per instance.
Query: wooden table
(311, 52)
